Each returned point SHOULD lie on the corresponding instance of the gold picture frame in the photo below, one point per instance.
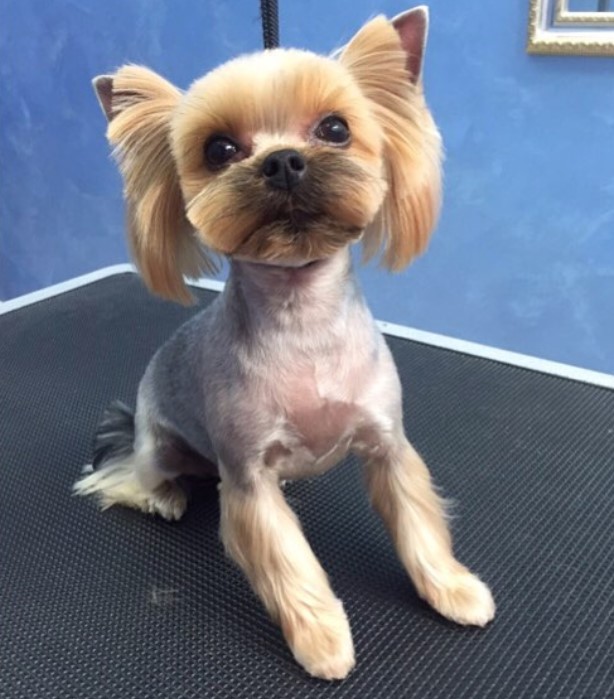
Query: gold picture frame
(555, 30)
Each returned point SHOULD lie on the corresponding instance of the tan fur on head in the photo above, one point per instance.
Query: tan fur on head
(384, 182)
(266, 102)
(412, 146)
(139, 104)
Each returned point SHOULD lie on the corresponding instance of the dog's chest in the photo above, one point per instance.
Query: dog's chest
(319, 411)
(320, 418)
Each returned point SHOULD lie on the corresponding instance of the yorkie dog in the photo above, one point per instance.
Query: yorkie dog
(279, 161)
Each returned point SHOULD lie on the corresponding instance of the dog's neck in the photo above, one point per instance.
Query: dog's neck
(271, 298)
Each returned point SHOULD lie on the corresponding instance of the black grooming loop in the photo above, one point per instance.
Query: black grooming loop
(270, 23)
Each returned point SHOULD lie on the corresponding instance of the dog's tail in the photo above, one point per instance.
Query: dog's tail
(115, 476)
(112, 477)
(114, 437)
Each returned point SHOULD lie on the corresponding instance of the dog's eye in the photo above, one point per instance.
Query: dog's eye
(333, 129)
(220, 150)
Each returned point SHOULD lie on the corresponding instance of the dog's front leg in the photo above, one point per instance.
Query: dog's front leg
(401, 491)
(263, 536)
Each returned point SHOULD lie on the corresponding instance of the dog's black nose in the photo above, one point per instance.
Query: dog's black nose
(284, 169)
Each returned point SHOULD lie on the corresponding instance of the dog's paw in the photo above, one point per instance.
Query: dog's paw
(321, 642)
(168, 500)
(461, 597)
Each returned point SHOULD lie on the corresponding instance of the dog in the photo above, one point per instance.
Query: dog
(279, 161)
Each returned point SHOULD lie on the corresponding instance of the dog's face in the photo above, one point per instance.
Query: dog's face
(280, 157)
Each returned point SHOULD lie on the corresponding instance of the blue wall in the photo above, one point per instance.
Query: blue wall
(524, 255)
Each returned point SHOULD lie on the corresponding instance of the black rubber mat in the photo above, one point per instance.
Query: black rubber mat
(120, 605)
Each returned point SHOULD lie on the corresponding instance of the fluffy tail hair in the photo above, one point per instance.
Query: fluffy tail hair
(114, 438)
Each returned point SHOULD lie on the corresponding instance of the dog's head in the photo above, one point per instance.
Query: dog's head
(281, 157)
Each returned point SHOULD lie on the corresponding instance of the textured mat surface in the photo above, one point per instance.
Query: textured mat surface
(118, 605)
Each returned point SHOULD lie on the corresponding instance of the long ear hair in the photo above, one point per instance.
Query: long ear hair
(385, 59)
(138, 104)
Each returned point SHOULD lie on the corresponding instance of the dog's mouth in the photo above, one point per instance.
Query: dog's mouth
(297, 238)
(298, 220)
(292, 215)
(302, 214)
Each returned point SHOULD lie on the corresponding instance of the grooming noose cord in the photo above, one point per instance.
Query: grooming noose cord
(270, 23)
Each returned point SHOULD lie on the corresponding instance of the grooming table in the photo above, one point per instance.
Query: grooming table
(119, 605)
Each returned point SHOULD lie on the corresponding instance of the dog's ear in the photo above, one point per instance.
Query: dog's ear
(385, 58)
(412, 27)
(138, 105)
